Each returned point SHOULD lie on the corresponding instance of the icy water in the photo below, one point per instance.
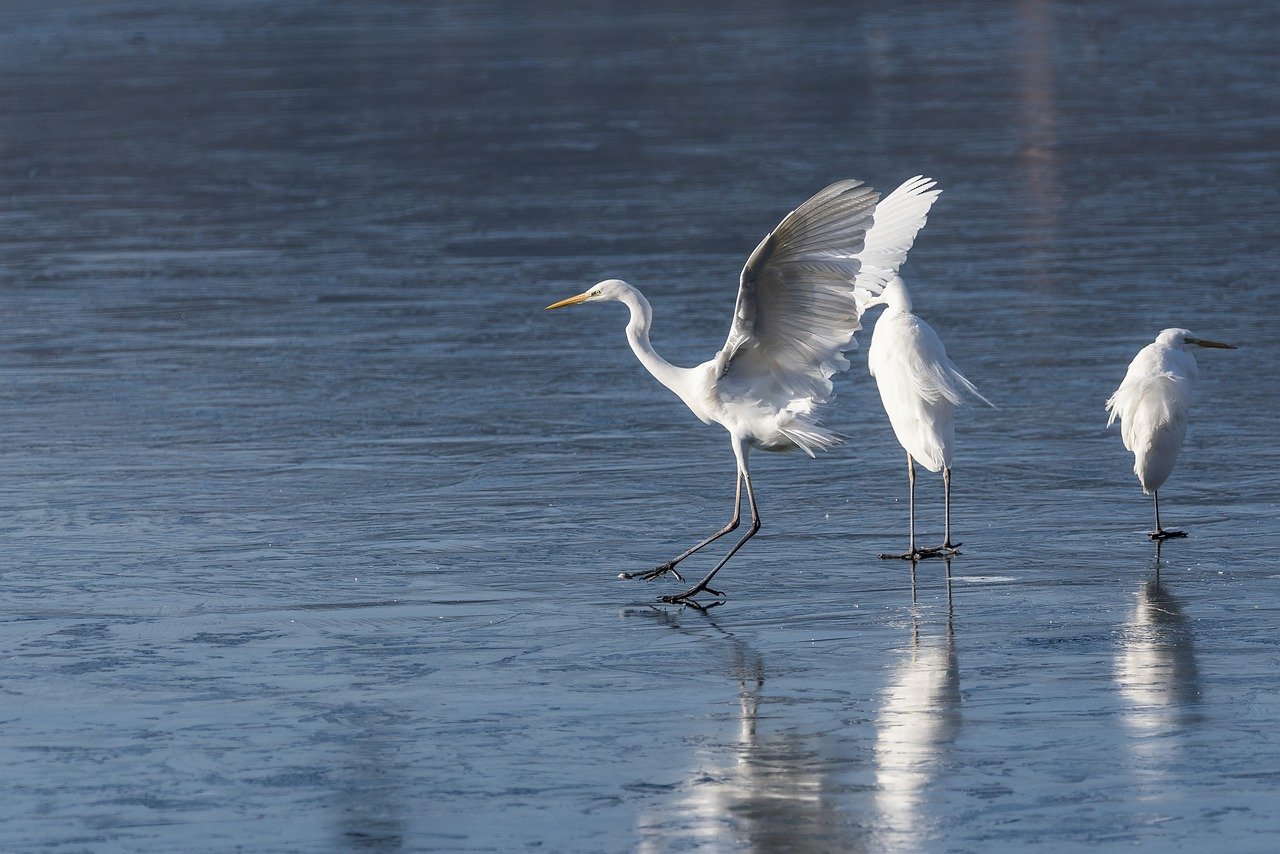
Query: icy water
(312, 517)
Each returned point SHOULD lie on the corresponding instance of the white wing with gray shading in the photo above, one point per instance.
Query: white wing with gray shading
(897, 221)
(795, 317)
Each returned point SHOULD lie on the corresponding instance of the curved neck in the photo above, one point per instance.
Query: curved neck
(638, 336)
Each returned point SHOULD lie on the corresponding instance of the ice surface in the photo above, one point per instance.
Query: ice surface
(312, 518)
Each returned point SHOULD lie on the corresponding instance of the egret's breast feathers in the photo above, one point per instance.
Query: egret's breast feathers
(1149, 405)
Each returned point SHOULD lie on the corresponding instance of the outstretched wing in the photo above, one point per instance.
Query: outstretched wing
(795, 316)
(897, 221)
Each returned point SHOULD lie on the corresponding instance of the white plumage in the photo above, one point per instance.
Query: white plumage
(920, 388)
(795, 318)
(919, 385)
(898, 220)
(1153, 403)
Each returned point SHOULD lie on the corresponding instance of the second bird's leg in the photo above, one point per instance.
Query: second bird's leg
(686, 598)
(912, 553)
(670, 566)
(947, 549)
(1160, 533)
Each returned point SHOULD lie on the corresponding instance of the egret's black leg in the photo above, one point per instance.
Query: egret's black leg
(947, 549)
(1160, 533)
(670, 566)
(911, 507)
(912, 552)
(686, 598)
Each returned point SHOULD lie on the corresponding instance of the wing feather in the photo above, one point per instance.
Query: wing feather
(898, 219)
(919, 385)
(795, 316)
(1152, 404)
(918, 354)
(1153, 422)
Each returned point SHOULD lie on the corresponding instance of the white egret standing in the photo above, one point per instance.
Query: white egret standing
(1152, 404)
(794, 320)
(920, 389)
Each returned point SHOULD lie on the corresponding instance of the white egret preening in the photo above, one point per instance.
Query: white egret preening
(1152, 404)
(795, 318)
(920, 389)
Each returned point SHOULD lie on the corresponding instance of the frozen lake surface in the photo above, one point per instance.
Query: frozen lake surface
(312, 518)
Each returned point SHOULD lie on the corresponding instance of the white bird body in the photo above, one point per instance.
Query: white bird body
(755, 407)
(920, 388)
(919, 385)
(795, 317)
(1153, 402)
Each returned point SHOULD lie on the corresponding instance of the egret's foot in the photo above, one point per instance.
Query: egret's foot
(1162, 534)
(651, 574)
(921, 554)
(686, 598)
(944, 550)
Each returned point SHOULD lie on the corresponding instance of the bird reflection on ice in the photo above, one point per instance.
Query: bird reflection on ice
(757, 792)
(919, 716)
(1156, 668)
(369, 809)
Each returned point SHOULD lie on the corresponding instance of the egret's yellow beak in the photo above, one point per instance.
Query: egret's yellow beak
(1205, 342)
(582, 297)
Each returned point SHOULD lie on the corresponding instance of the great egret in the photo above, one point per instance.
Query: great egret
(795, 318)
(920, 388)
(1152, 404)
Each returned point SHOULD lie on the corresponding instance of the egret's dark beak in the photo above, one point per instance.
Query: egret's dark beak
(582, 297)
(1217, 345)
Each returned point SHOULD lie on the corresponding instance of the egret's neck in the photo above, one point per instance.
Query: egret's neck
(638, 336)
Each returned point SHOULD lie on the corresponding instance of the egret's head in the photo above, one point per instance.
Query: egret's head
(606, 291)
(894, 295)
(1183, 340)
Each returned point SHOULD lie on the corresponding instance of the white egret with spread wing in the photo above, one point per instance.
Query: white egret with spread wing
(1152, 404)
(795, 318)
(920, 389)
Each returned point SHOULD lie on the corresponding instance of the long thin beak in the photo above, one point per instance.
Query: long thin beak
(582, 297)
(1218, 345)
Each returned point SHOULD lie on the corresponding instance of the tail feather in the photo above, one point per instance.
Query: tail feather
(806, 433)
